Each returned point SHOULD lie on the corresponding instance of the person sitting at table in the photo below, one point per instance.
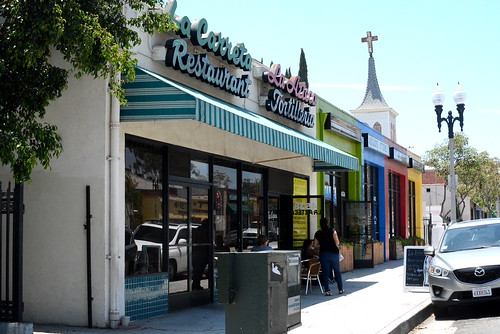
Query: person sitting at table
(262, 244)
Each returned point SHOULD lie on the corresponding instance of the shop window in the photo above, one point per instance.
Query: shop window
(225, 207)
(252, 199)
(394, 205)
(412, 209)
(188, 164)
(370, 193)
(199, 167)
(144, 213)
(179, 163)
(335, 193)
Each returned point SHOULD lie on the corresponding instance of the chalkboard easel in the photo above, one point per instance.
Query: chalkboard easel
(415, 269)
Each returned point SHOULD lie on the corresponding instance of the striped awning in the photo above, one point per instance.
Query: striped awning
(154, 97)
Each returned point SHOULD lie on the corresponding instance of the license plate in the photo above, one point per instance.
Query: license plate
(481, 292)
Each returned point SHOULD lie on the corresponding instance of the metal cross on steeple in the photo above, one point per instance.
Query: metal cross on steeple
(369, 39)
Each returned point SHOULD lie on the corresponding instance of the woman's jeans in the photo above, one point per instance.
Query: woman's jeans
(329, 262)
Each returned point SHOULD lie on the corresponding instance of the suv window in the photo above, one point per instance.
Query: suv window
(148, 233)
(183, 234)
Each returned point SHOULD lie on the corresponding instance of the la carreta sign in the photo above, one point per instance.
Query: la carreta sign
(198, 65)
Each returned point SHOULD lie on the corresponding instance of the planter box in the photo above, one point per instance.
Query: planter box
(419, 242)
(396, 250)
(347, 264)
(378, 253)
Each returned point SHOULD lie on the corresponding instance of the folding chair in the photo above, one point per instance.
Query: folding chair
(312, 274)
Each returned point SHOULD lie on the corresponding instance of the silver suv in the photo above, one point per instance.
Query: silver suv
(465, 267)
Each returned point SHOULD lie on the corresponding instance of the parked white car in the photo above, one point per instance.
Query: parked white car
(150, 234)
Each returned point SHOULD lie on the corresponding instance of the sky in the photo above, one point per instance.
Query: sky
(420, 43)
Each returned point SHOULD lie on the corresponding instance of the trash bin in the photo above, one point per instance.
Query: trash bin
(261, 291)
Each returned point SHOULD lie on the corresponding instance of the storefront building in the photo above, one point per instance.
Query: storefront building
(375, 153)
(396, 169)
(212, 149)
(214, 164)
(352, 200)
(415, 199)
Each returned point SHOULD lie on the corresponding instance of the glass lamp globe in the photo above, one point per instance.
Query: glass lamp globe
(459, 95)
(438, 96)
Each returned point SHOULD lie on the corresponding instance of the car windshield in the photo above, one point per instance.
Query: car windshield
(471, 237)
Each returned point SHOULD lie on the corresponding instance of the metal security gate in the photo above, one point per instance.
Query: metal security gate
(11, 246)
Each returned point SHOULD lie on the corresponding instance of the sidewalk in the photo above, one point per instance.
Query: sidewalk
(374, 303)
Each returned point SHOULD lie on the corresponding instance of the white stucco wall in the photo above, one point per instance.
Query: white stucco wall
(55, 282)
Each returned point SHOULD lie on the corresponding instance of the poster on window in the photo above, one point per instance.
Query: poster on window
(299, 218)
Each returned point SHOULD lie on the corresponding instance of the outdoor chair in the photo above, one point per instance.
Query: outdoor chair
(312, 274)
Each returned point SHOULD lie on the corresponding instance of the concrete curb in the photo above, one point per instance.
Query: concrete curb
(407, 325)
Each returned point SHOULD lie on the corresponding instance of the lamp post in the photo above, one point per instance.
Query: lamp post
(437, 98)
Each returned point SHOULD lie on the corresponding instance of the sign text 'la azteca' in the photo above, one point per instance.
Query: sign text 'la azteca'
(290, 108)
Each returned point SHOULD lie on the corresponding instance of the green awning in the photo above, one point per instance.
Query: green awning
(154, 97)
(246, 210)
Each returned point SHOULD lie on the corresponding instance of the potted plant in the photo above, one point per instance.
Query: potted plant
(415, 241)
(347, 251)
(378, 252)
(396, 248)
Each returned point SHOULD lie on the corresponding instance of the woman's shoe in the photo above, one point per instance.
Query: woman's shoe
(341, 292)
(328, 293)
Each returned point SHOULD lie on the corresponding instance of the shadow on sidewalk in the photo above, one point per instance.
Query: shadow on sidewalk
(352, 283)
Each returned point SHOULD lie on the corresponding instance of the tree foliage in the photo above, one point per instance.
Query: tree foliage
(477, 174)
(487, 190)
(93, 36)
(303, 68)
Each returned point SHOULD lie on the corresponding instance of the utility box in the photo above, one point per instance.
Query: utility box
(261, 291)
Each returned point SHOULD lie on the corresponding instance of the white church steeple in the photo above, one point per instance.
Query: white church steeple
(374, 111)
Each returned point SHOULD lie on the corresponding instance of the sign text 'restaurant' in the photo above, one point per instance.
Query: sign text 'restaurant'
(199, 66)
(197, 32)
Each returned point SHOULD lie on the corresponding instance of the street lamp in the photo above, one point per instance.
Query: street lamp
(437, 98)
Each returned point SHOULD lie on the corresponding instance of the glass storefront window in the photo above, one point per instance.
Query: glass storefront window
(199, 168)
(225, 207)
(412, 209)
(143, 205)
(394, 205)
(273, 221)
(179, 163)
(335, 190)
(252, 192)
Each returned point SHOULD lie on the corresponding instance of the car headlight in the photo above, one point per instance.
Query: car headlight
(437, 271)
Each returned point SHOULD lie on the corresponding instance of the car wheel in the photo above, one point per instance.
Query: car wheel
(439, 311)
(172, 270)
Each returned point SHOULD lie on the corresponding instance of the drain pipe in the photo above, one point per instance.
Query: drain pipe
(116, 279)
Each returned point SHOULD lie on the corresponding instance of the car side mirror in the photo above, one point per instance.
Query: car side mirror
(429, 251)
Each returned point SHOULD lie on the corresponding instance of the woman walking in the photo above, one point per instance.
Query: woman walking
(328, 242)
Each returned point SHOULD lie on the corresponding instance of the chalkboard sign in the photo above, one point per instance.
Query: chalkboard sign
(415, 269)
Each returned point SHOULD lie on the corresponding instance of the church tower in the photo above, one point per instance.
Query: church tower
(374, 111)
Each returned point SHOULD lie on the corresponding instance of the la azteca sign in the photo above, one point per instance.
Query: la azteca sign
(290, 108)
(198, 65)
